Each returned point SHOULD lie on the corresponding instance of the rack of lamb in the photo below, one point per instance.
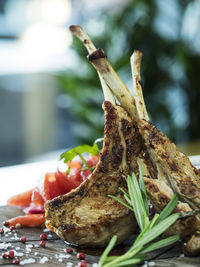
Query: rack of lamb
(87, 216)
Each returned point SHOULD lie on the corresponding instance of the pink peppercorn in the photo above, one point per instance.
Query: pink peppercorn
(23, 239)
(69, 250)
(5, 256)
(16, 261)
(6, 223)
(82, 264)
(80, 256)
(1, 231)
(11, 254)
(12, 228)
(42, 243)
(43, 237)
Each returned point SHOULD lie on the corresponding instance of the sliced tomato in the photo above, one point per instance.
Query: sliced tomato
(64, 182)
(32, 220)
(93, 160)
(74, 164)
(45, 188)
(36, 198)
(34, 209)
(21, 200)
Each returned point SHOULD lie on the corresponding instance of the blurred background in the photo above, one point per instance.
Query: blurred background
(50, 96)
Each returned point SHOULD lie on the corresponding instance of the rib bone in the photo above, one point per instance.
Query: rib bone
(101, 64)
(83, 37)
(135, 66)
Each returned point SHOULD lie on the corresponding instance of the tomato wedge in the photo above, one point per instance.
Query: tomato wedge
(21, 200)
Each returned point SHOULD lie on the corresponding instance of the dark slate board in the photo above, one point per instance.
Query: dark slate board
(166, 257)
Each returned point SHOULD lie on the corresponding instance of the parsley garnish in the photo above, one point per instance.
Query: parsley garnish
(70, 154)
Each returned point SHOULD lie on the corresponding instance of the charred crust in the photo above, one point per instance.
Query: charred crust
(141, 83)
(104, 158)
(126, 127)
(80, 192)
(66, 227)
(99, 53)
(196, 171)
(74, 28)
(110, 110)
(173, 166)
(55, 203)
(86, 41)
(117, 153)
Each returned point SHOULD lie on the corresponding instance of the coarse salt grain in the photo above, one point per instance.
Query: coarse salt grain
(43, 260)
(49, 235)
(62, 256)
(36, 253)
(46, 230)
(95, 265)
(28, 250)
(69, 264)
(27, 261)
(5, 245)
(17, 248)
(19, 254)
(60, 260)
(29, 246)
(182, 255)
(151, 263)
(36, 246)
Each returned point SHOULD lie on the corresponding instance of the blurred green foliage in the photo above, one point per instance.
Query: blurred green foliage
(170, 66)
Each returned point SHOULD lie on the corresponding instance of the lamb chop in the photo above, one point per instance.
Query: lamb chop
(170, 170)
(87, 215)
(175, 173)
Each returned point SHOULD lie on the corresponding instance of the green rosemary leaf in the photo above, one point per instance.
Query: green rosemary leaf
(130, 262)
(153, 221)
(157, 230)
(111, 258)
(136, 202)
(121, 201)
(143, 188)
(161, 243)
(123, 191)
(168, 209)
(107, 250)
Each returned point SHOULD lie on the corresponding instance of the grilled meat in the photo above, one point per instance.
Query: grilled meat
(175, 173)
(87, 215)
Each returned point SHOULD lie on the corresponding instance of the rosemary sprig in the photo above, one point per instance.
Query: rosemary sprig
(137, 201)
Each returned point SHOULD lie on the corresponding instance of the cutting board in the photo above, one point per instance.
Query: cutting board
(54, 254)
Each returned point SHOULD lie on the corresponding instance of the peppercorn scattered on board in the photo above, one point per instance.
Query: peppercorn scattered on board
(55, 250)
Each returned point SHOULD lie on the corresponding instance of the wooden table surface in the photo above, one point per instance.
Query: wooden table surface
(54, 252)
